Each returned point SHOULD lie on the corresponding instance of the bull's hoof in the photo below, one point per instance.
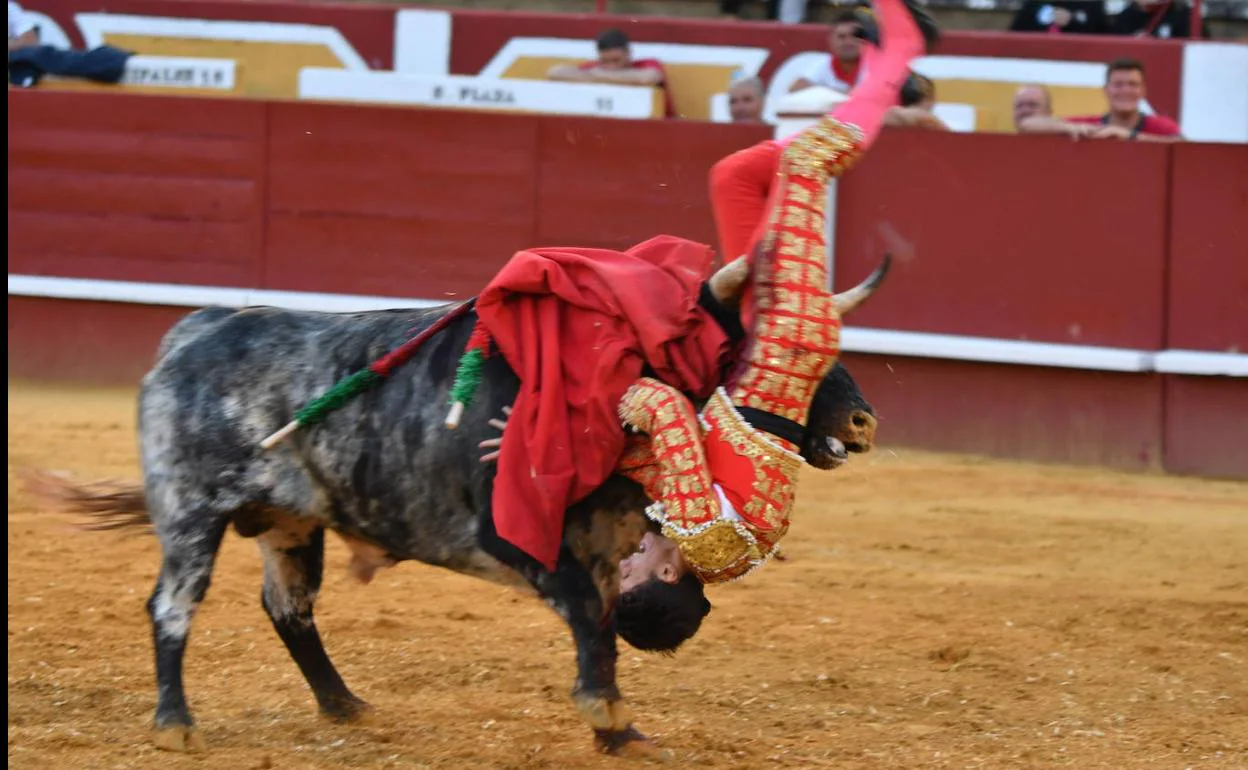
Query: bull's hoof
(344, 710)
(181, 738)
(603, 714)
(629, 744)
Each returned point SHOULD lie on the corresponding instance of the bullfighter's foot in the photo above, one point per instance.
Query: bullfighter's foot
(629, 743)
(603, 714)
(182, 738)
(349, 709)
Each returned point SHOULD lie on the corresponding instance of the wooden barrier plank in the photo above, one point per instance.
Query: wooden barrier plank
(1208, 269)
(1025, 412)
(1204, 426)
(1031, 238)
(135, 188)
(401, 201)
(613, 184)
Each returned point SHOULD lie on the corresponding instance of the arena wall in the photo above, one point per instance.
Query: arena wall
(1050, 300)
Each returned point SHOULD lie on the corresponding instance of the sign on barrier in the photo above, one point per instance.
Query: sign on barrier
(464, 92)
(180, 72)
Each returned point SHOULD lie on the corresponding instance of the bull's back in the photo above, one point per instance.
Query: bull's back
(382, 466)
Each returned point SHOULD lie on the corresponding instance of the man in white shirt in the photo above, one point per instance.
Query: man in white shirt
(21, 28)
(840, 70)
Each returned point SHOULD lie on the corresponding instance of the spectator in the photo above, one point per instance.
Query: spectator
(615, 65)
(1124, 90)
(22, 33)
(918, 98)
(731, 9)
(745, 101)
(1061, 16)
(840, 71)
(1030, 102)
(1156, 18)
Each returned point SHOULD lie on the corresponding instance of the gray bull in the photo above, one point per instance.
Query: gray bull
(383, 472)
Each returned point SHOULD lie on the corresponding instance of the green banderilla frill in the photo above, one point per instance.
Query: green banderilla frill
(349, 387)
(468, 374)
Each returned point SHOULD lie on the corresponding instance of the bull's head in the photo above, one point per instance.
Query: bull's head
(841, 419)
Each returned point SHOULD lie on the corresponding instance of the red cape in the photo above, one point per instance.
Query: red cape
(577, 325)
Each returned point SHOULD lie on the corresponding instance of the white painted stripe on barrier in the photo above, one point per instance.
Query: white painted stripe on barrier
(993, 350)
(184, 295)
(1201, 362)
(853, 340)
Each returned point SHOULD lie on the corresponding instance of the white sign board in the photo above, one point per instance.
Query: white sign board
(464, 92)
(180, 72)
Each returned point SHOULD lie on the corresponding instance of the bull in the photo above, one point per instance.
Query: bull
(384, 474)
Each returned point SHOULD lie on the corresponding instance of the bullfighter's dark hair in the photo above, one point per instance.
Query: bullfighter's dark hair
(612, 39)
(659, 617)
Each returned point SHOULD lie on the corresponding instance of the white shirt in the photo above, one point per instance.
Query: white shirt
(821, 74)
(19, 22)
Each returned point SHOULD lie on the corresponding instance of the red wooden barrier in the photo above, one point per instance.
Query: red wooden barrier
(384, 201)
(1208, 278)
(1029, 412)
(1204, 431)
(613, 184)
(132, 188)
(1014, 237)
(1026, 238)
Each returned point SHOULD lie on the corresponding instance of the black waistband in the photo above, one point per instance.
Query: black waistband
(780, 427)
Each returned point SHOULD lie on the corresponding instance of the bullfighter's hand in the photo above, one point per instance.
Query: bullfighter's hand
(728, 282)
(495, 443)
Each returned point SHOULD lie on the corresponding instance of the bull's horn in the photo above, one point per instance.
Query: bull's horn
(848, 300)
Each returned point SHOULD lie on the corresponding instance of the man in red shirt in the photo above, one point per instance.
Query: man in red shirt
(1124, 90)
(615, 65)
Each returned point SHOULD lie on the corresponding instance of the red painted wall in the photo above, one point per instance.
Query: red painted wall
(97, 343)
(1017, 237)
(133, 189)
(1028, 412)
(477, 35)
(1208, 278)
(1204, 427)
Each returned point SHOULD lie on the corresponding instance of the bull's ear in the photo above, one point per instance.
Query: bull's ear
(728, 282)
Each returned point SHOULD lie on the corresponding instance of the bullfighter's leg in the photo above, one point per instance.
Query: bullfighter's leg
(189, 546)
(294, 562)
(570, 590)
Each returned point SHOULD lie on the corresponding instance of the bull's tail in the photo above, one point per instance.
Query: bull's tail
(104, 505)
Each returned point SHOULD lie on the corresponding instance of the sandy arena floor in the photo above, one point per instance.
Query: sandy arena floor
(936, 612)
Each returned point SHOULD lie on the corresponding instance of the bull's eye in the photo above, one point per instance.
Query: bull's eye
(859, 421)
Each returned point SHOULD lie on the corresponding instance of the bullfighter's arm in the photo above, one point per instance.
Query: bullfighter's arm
(668, 461)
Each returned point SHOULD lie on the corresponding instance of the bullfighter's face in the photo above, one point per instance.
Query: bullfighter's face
(656, 557)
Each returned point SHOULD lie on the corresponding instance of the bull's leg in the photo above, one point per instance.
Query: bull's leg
(294, 561)
(189, 551)
(571, 591)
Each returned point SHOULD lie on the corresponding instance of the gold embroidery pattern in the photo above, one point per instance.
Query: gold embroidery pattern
(795, 339)
(681, 479)
(766, 480)
(827, 149)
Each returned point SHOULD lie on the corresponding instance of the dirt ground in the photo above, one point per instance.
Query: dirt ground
(936, 611)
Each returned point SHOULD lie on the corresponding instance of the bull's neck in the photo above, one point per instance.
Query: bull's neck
(794, 337)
